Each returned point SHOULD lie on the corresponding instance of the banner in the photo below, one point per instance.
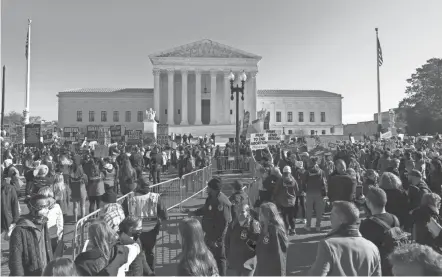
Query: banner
(47, 138)
(273, 137)
(115, 131)
(32, 135)
(162, 139)
(162, 129)
(311, 143)
(133, 136)
(92, 132)
(19, 137)
(386, 135)
(69, 132)
(258, 141)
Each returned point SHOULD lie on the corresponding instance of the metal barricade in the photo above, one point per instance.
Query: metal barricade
(81, 232)
(169, 191)
(231, 164)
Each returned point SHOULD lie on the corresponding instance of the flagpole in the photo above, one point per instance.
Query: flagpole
(379, 83)
(28, 74)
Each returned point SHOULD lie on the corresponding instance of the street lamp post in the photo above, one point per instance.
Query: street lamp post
(237, 90)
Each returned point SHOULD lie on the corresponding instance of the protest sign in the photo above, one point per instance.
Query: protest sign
(32, 134)
(92, 132)
(258, 141)
(162, 129)
(19, 137)
(47, 138)
(386, 135)
(162, 139)
(273, 138)
(133, 136)
(311, 143)
(115, 131)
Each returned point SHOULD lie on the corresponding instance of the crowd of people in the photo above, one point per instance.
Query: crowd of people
(384, 209)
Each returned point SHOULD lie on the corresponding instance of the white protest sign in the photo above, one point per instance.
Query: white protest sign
(386, 135)
(258, 141)
(273, 137)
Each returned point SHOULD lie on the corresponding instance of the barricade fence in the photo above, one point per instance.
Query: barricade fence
(173, 193)
(81, 234)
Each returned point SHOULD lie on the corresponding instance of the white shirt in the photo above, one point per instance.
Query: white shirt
(134, 250)
(55, 218)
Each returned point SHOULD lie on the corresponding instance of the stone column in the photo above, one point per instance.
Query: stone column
(227, 100)
(184, 116)
(254, 96)
(213, 104)
(198, 97)
(156, 93)
(170, 98)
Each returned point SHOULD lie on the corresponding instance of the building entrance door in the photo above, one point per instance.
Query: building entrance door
(205, 111)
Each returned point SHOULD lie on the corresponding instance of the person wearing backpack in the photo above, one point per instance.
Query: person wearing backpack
(417, 189)
(382, 228)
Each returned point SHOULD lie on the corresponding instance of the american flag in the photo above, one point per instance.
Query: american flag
(27, 45)
(380, 59)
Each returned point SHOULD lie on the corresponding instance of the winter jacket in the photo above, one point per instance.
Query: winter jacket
(435, 182)
(9, 204)
(397, 204)
(315, 182)
(415, 194)
(92, 262)
(271, 253)
(421, 216)
(24, 248)
(95, 186)
(109, 177)
(285, 191)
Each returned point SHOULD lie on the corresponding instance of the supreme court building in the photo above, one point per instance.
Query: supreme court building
(192, 95)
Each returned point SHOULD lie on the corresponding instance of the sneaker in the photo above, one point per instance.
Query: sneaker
(292, 232)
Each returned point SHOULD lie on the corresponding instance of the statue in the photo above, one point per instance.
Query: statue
(150, 115)
(262, 114)
(392, 116)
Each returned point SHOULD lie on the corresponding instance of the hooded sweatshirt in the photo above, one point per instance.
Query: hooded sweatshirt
(316, 182)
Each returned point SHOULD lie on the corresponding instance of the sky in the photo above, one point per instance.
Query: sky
(325, 45)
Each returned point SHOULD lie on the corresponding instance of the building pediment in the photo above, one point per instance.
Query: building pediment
(205, 49)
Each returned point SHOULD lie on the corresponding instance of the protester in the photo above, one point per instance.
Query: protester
(9, 206)
(239, 197)
(196, 258)
(60, 267)
(241, 239)
(95, 188)
(417, 189)
(416, 260)
(375, 227)
(344, 252)
(55, 218)
(111, 212)
(106, 255)
(397, 199)
(272, 245)
(341, 187)
(316, 190)
(61, 193)
(30, 247)
(128, 177)
(427, 222)
(285, 197)
(435, 178)
(77, 183)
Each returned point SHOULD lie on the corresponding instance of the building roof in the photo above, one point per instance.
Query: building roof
(204, 48)
(109, 90)
(295, 93)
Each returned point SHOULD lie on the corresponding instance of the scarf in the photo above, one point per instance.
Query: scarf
(346, 230)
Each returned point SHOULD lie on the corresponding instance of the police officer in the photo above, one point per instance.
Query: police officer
(238, 197)
(217, 216)
(241, 240)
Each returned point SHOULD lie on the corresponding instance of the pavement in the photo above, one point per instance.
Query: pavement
(301, 252)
